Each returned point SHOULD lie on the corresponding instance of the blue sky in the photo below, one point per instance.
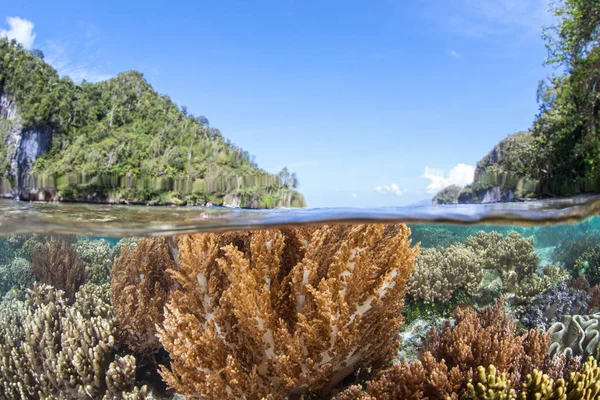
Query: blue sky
(371, 103)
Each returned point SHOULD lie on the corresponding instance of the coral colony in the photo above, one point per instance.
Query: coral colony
(325, 312)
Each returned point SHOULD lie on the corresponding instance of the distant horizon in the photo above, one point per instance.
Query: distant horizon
(372, 105)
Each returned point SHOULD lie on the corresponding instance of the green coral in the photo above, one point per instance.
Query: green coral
(588, 265)
(15, 275)
(434, 311)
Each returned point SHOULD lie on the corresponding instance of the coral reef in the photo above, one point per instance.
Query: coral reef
(129, 242)
(49, 349)
(437, 274)
(295, 310)
(572, 246)
(139, 289)
(487, 384)
(448, 368)
(549, 307)
(588, 265)
(17, 274)
(490, 287)
(512, 255)
(575, 335)
(98, 257)
(487, 338)
(57, 264)
(535, 284)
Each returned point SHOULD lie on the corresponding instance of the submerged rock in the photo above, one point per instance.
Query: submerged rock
(489, 288)
(412, 340)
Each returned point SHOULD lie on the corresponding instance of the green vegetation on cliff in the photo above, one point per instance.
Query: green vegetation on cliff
(560, 155)
(120, 131)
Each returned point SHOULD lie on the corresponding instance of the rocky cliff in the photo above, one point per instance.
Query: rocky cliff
(22, 146)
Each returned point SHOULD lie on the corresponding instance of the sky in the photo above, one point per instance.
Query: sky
(372, 103)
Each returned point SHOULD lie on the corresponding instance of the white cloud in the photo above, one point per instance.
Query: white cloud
(480, 18)
(461, 175)
(354, 195)
(454, 53)
(19, 29)
(60, 56)
(390, 189)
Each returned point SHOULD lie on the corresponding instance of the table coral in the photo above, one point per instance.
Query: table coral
(294, 310)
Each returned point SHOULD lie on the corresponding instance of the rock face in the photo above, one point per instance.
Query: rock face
(23, 147)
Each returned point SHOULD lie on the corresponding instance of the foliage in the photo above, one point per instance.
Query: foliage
(121, 128)
(560, 154)
(448, 195)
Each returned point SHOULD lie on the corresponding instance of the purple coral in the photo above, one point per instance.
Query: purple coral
(549, 307)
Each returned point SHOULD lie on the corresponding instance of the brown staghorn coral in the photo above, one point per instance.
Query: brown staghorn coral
(488, 338)
(295, 310)
(56, 263)
(140, 286)
(453, 359)
(512, 255)
(437, 274)
(52, 350)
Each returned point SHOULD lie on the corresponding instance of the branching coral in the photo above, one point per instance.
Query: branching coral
(98, 257)
(453, 360)
(535, 284)
(488, 384)
(512, 255)
(420, 380)
(488, 338)
(588, 265)
(15, 275)
(437, 274)
(140, 287)
(57, 264)
(263, 321)
(49, 349)
(583, 384)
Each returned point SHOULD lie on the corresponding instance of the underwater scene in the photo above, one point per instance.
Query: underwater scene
(312, 311)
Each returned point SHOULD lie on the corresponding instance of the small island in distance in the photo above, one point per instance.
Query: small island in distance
(118, 141)
(559, 156)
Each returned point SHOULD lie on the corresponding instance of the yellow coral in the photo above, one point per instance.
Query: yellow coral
(489, 385)
(256, 322)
